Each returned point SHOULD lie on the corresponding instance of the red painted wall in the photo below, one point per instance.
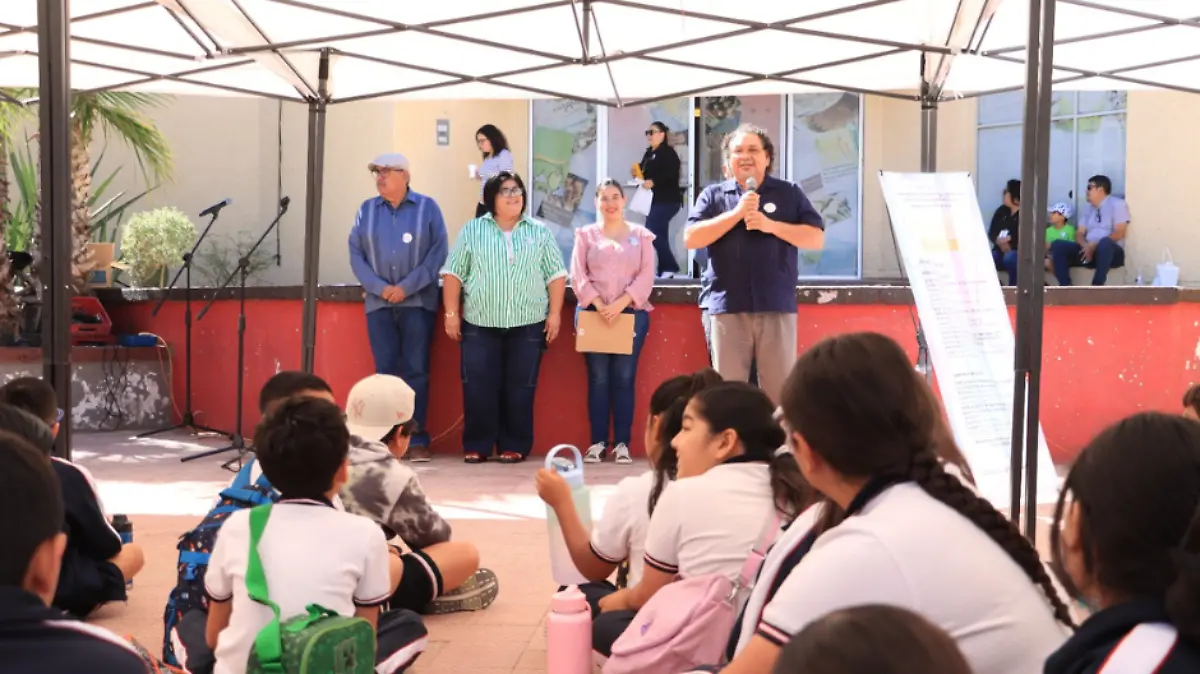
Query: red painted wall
(1100, 362)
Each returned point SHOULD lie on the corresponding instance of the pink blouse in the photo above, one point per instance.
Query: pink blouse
(601, 267)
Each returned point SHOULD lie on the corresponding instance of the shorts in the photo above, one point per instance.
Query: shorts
(420, 584)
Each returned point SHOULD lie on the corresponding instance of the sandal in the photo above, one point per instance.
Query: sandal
(473, 457)
(511, 457)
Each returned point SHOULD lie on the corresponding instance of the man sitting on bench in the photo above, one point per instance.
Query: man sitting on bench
(1099, 236)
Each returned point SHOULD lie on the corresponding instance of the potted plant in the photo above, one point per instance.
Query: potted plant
(153, 241)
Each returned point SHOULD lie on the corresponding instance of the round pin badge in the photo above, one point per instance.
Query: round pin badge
(633, 241)
(769, 208)
(407, 237)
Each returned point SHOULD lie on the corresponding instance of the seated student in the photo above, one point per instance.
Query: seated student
(866, 433)
(872, 639)
(1191, 403)
(620, 536)
(379, 414)
(1126, 540)
(186, 613)
(1059, 229)
(33, 636)
(311, 553)
(27, 427)
(96, 565)
(732, 481)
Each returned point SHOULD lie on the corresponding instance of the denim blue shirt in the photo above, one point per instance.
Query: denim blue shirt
(403, 246)
(751, 271)
(1101, 220)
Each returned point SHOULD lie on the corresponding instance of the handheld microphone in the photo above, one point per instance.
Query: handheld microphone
(751, 184)
(215, 208)
(283, 204)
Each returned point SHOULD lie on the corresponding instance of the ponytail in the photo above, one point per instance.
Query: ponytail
(792, 493)
(1183, 595)
(668, 403)
(927, 471)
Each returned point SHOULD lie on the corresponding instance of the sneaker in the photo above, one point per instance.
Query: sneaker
(621, 454)
(476, 594)
(418, 454)
(595, 453)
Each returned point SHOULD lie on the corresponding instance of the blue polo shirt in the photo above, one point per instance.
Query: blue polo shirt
(747, 271)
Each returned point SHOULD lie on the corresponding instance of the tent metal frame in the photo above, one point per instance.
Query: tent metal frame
(54, 35)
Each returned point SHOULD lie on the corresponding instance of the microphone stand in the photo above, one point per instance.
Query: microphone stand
(237, 441)
(188, 419)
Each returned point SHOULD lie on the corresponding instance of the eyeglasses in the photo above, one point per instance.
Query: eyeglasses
(384, 171)
(511, 191)
(651, 132)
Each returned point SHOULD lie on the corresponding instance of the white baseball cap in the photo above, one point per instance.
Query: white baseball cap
(378, 404)
(1062, 208)
(393, 160)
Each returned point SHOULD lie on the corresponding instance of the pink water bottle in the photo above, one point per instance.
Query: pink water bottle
(569, 633)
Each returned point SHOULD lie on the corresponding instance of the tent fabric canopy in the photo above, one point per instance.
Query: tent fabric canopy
(636, 50)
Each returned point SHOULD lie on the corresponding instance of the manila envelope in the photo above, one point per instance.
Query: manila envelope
(596, 335)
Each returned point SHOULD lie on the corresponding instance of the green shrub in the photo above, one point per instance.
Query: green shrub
(154, 241)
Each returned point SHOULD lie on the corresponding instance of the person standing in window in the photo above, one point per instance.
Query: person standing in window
(752, 225)
(397, 245)
(1004, 229)
(660, 169)
(511, 271)
(496, 158)
(612, 272)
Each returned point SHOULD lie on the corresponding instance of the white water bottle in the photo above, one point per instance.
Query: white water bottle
(561, 566)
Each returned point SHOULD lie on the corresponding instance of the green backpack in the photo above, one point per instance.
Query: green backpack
(321, 642)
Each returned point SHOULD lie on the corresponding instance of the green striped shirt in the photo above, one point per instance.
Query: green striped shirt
(504, 277)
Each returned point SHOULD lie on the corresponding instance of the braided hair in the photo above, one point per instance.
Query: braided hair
(856, 400)
(667, 404)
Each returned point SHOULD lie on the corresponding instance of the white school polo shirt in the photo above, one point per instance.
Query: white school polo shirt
(909, 550)
(621, 533)
(311, 554)
(708, 524)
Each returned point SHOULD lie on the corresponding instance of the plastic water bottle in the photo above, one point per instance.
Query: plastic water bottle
(124, 528)
(561, 565)
(569, 633)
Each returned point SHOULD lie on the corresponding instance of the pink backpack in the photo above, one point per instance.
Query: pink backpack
(687, 623)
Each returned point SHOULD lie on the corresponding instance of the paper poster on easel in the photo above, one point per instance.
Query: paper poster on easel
(944, 248)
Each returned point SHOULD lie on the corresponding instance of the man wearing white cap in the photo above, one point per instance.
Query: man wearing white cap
(397, 245)
(440, 575)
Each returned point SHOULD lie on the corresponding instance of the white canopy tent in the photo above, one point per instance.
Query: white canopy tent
(608, 52)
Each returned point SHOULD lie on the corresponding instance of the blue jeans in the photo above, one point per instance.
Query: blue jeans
(659, 224)
(499, 377)
(400, 338)
(611, 379)
(1007, 262)
(1065, 254)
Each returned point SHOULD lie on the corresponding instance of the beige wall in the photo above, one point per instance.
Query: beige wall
(229, 147)
(441, 170)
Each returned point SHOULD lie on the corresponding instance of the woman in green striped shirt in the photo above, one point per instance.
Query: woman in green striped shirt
(511, 272)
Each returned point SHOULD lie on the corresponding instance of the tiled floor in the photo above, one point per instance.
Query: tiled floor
(493, 505)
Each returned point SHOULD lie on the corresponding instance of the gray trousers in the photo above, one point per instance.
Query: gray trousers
(765, 339)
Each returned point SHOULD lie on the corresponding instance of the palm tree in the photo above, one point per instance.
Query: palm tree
(10, 313)
(119, 114)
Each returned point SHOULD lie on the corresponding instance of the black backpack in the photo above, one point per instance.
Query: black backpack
(195, 548)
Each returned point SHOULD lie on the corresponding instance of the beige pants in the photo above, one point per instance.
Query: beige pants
(768, 338)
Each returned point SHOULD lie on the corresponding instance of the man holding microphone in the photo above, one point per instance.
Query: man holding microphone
(752, 225)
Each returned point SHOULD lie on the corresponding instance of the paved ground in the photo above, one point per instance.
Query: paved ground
(492, 505)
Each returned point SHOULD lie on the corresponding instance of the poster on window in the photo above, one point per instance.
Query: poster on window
(564, 168)
(826, 132)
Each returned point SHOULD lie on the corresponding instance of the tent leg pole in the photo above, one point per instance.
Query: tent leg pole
(56, 250)
(312, 216)
(929, 121)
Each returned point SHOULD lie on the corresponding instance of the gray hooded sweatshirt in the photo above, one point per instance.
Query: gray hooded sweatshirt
(382, 488)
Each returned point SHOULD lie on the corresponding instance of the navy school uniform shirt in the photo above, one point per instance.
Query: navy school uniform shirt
(751, 271)
(87, 577)
(1090, 648)
(37, 638)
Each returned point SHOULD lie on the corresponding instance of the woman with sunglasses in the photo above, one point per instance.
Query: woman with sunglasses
(660, 170)
(506, 273)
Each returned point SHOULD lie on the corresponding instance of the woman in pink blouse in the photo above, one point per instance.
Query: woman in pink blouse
(612, 272)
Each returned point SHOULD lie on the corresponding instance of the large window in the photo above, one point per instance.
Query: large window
(826, 160)
(626, 143)
(564, 167)
(1087, 138)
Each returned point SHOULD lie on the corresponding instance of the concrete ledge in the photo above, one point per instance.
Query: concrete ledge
(686, 291)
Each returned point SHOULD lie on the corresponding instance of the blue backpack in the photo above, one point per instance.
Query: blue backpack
(195, 548)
